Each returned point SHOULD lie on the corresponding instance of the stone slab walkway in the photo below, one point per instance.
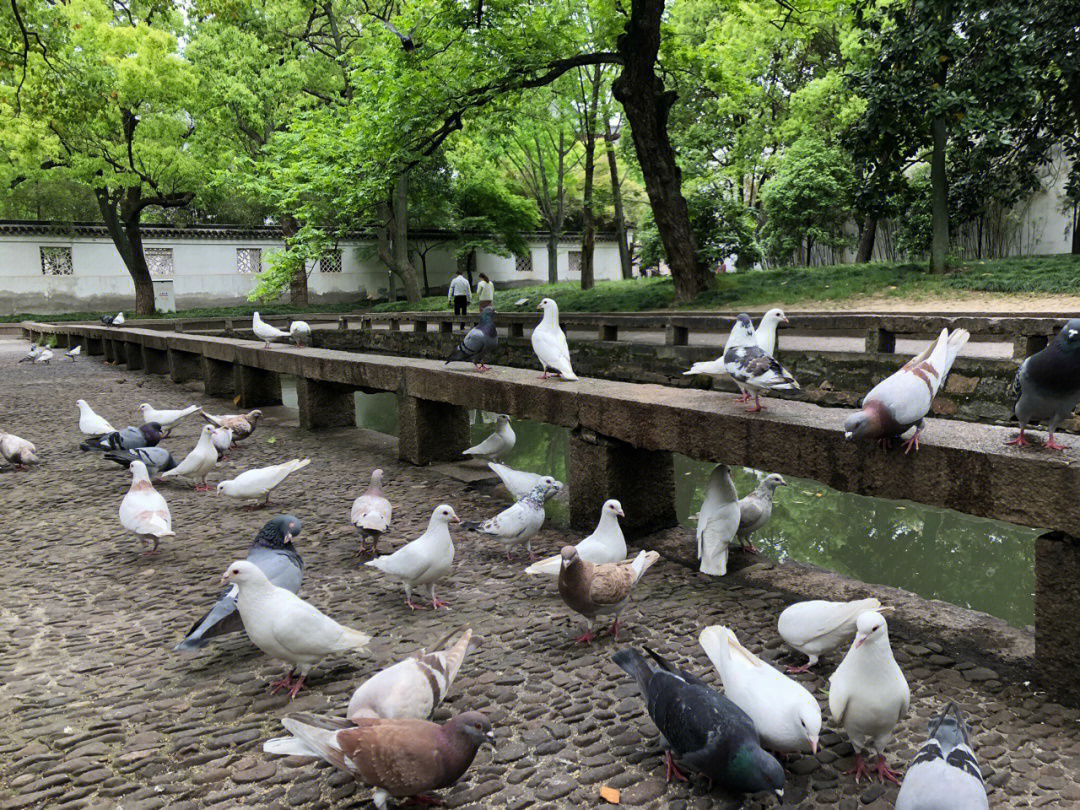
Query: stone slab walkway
(98, 712)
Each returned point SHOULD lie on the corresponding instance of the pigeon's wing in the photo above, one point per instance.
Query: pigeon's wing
(1016, 390)
(409, 562)
(750, 365)
(371, 512)
(750, 511)
(489, 445)
(303, 629)
(936, 780)
(473, 343)
(279, 566)
(510, 522)
(610, 584)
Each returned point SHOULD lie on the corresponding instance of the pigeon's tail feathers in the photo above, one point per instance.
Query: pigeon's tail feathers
(373, 522)
(188, 411)
(631, 662)
(212, 420)
(710, 367)
(352, 641)
(316, 736)
(455, 655)
(643, 562)
(457, 354)
(156, 525)
(566, 371)
(548, 567)
(949, 727)
(121, 457)
(957, 340)
(290, 747)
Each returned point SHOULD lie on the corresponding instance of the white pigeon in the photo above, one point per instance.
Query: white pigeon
(44, 357)
(786, 715)
(499, 443)
(517, 525)
(717, 523)
(868, 694)
(752, 368)
(521, 302)
(17, 451)
(265, 331)
(605, 545)
(73, 353)
(903, 400)
(945, 773)
(756, 508)
(413, 688)
(372, 514)
(549, 342)
(251, 485)
(222, 439)
(520, 483)
(285, 627)
(90, 424)
(119, 319)
(765, 333)
(818, 627)
(300, 332)
(168, 419)
(424, 561)
(199, 462)
(144, 511)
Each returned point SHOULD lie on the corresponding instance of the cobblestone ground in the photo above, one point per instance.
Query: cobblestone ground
(98, 712)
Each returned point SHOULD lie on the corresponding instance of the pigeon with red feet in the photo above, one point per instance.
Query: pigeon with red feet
(600, 590)
(751, 367)
(1046, 388)
(424, 561)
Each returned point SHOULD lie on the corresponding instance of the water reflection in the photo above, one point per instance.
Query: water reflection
(981, 564)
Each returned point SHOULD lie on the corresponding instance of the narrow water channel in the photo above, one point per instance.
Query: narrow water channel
(980, 564)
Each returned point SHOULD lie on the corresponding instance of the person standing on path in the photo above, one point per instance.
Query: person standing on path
(460, 293)
(485, 291)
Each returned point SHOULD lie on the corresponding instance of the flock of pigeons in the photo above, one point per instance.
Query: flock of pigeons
(387, 740)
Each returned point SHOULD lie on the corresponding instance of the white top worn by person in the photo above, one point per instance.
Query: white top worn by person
(485, 290)
(459, 286)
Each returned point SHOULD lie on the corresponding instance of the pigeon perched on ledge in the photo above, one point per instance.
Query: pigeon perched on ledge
(751, 367)
(300, 332)
(480, 342)
(549, 343)
(113, 320)
(264, 331)
(1046, 388)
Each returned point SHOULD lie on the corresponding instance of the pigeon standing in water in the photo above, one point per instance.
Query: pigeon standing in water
(372, 514)
(756, 509)
(903, 400)
(549, 343)
(945, 774)
(478, 345)
(703, 729)
(275, 555)
(750, 367)
(1046, 389)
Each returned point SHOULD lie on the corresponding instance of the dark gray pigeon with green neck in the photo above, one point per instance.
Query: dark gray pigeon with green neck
(705, 730)
(1047, 385)
(479, 343)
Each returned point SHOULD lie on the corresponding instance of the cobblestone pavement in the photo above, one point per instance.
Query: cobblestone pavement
(98, 712)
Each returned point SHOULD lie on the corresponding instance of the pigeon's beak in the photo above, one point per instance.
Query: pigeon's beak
(224, 579)
(848, 434)
(786, 320)
(455, 519)
(288, 538)
(813, 744)
(859, 639)
(540, 306)
(490, 737)
(782, 484)
(780, 795)
(620, 513)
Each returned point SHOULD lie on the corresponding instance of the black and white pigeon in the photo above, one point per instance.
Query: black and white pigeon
(129, 438)
(751, 367)
(32, 355)
(273, 553)
(113, 320)
(944, 774)
(1046, 388)
(705, 730)
(156, 459)
(902, 401)
(481, 341)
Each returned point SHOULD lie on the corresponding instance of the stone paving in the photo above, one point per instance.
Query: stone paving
(98, 712)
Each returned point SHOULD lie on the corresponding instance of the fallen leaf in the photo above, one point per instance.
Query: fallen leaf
(236, 400)
(609, 794)
(271, 440)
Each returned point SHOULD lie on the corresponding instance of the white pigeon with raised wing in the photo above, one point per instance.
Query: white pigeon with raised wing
(549, 342)
(167, 418)
(786, 715)
(199, 462)
(251, 485)
(500, 442)
(144, 511)
(90, 424)
(372, 514)
(264, 331)
(605, 545)
(717, 523)
(424, 561)
(520, 483)
(818, 627)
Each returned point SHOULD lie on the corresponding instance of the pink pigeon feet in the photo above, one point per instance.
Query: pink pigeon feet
(413, 606)
(202, 488)
(483, 367)
(585, 639)
(885, 773)
(148, 551)
(885, 444)
(860, 768)
(743, 397)
(1019, 441)
(613, 631)
(757, 405)
(912, 442)
(438, 604)
(1052, 445)
(284, 683)
(796, 670)
(672, 769)
(749, 548)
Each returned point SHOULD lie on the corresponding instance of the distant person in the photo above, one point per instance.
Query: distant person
(485, 291)
(460, 293)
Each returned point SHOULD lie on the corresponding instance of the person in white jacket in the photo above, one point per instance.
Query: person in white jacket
(485, 292)
(459, 294)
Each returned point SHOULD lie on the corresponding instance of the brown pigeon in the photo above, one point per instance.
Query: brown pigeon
(242, 425)
(599, 590)
(399, 758)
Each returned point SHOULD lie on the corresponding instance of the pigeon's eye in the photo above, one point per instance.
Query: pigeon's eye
(478, 727)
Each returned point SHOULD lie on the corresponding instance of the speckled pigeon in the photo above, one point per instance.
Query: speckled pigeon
(945, 774)
(517, 525)
(479, 343)
(156, 459)
(705, 730)
(273, 552)
(903, 400)
(129, 438)
(1047, 386)
(751, 367)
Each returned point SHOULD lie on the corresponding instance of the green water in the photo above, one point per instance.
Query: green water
(975, 563)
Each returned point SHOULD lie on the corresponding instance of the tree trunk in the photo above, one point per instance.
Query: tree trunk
(1076, 229)
(124, 227)
(553, 257)
(616, 201)
(588, 228)
(298, 284)
(641, 92)
(393, 239)
(423, 267)
(866, 240)
(939, 200)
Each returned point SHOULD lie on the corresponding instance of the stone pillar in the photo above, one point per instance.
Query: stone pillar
(256, 387)
(218, 378)
(324, 404)
(156, 361)
(342, 323)
(1057, 604)
(134, 355)
(419, 326)
(1026, 345)
(607, 331)
(517, 329)
(676, 335)
(107, 350)
(431, 431)
(395, 325)
(184, 366)
(880, 341)
(643, 481)
(93, 346)
(446, 327)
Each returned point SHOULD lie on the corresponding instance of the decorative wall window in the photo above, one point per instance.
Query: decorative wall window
(159, 261)
(523, 263)
(249, 260)
(574, 258)
(56, 261)
(330, 262)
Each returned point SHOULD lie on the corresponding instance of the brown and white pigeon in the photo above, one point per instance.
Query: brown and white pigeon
(143, 510)
(399, 758)
(242, 425)
(903, 400)
(372, 514)
(600, 590)
(17, 451)
(415, 687)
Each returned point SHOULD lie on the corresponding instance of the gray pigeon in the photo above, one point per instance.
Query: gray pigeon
(275, 556)
(479, 343)
(156, 459)
(944, 774)
(129, 438)
(1047, 386)
(32, 355)
(756, 509)
(751, 367)
(704, 729)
